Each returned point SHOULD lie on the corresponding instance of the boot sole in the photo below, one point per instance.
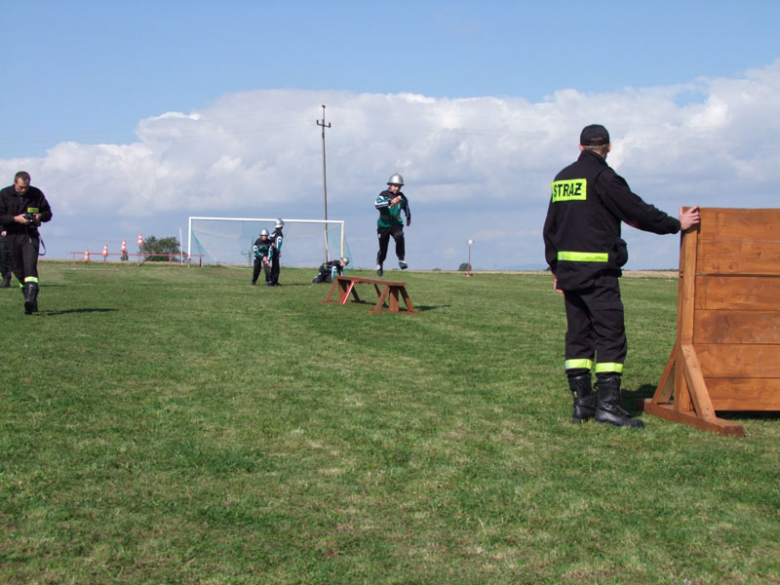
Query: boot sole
(641, 425)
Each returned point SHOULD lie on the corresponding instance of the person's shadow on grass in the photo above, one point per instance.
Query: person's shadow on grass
(633, 400)
(54, 313)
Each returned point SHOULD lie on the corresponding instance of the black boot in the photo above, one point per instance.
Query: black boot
(30, 297)
(6, 281)
(584, 403)
(609, 409)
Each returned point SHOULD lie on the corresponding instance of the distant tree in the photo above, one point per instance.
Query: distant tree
(157, 250)
(464, 266)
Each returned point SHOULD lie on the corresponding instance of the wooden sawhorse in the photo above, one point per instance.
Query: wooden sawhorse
(390, 292)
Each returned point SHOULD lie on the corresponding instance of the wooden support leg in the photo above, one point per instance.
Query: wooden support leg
(380, 303)
(331, 291)
(682, 376)
(393, 299)
(407, 300)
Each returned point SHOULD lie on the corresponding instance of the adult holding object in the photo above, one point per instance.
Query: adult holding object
(22, 210)
(390, 204)
(585, 252)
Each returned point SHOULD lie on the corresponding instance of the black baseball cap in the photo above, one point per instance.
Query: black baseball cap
(594, 135)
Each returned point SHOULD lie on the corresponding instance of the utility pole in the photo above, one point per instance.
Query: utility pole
(324, 181)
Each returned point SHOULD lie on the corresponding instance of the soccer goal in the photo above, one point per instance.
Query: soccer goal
(229, 240)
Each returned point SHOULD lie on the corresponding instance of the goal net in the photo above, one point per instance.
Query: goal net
(229, 240)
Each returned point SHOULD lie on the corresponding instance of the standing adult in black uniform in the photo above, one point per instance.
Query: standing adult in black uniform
(22, 209)
(277, 238)
(585, 252)
(5, 261)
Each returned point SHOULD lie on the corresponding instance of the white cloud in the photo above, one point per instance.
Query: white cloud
(479, 165)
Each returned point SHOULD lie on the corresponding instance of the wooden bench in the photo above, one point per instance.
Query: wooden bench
(386, 291)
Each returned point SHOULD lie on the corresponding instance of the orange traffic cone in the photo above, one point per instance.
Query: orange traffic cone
(124, 246)
(140, 240)
(86, 255)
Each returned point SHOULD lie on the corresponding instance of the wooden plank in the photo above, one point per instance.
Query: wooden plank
(738, 257)
(665, 389)
(393, 297)
(724, 326)
(717, 425)
(686, 288)
(407, 300)
(734, 394)
(740, 224)
(682, 395)
(374, 281)
(755, 293)
(333, 287)
(696, 386)
(381, 302)
(739, 360)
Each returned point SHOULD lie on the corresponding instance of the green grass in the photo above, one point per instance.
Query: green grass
(166, 425)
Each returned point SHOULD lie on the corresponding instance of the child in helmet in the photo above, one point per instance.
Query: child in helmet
(263, 251)
(276, 239)
(390, 204)
(329, 270)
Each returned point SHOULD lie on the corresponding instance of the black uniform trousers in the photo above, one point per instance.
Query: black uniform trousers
(23, 249)
(5, 258)
(259, 264)
(275, 269)
(596, 328)
(397, 232)
(324, 275)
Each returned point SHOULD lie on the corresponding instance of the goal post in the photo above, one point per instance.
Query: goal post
(229, 240)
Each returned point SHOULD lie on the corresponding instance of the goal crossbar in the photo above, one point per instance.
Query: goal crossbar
(323, 222)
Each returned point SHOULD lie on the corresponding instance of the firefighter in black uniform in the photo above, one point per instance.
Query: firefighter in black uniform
(5, 261)
(22, 209)
(585, 252)
(277, 238)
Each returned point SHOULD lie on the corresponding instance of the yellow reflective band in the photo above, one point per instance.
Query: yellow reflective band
(608, 368)
(583, 256)
(31, 279)
(571, 190)
(32, 210)
(579, 364)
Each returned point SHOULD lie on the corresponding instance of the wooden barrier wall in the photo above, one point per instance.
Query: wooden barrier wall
(726, 355)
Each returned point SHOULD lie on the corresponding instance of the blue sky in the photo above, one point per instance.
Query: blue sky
(82, 74)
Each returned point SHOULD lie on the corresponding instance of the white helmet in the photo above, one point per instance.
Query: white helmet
(279, 223)
(263, 232)
(345, 261)
(396, 179)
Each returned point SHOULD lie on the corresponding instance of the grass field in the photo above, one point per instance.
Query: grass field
(168, 425)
